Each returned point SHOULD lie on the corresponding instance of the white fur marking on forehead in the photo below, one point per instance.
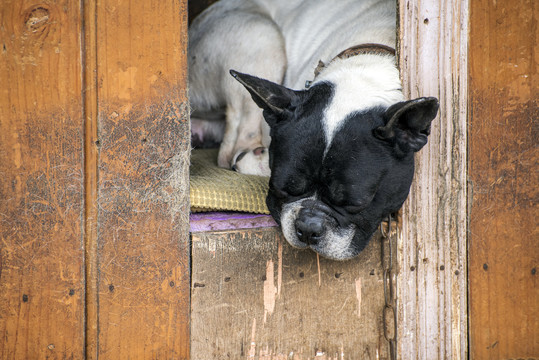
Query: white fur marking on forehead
(360, 83)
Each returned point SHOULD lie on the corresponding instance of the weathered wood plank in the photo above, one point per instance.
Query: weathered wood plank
(143, 244)
(41, 187)
(432, 241)
(254, 296)
(503, 159)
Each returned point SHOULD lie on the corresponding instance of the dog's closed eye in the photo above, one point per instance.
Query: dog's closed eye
(239, 156)
(353, 209)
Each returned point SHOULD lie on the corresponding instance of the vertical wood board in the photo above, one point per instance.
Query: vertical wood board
(432, 242)
(504, 197)
(256, 297)
(41, 191)
(143, 202)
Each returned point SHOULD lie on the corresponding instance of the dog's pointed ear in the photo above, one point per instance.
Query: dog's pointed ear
(407, 123)
(266, 94)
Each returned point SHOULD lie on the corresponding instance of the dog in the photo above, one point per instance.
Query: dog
(323, 113)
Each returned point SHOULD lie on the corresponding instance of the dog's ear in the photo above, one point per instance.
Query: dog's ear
(407, 123)
(266, 94)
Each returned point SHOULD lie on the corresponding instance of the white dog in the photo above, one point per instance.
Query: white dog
(281, 41)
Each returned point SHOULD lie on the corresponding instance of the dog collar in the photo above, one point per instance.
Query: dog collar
(370, 48)
(377, 49)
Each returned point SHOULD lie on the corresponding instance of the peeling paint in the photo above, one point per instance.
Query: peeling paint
(318, 265)
(270, 291)
(126, 82)
(279, 266)
(252, 350)
(358, 295)
(17, 156)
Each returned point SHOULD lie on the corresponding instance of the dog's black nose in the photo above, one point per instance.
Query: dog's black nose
(310, 226)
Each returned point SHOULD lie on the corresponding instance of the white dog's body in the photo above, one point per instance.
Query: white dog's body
(284, 41)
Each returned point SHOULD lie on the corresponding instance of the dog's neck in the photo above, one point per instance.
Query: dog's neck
(359, 82)
(370, 48)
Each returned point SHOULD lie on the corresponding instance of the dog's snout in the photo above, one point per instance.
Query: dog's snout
(310, 226)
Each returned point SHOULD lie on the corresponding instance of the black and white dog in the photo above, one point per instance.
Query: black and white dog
(342, 136)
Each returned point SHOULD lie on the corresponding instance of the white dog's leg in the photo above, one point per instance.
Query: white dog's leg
(245, 40)
(263, 54)
(207, 129)
(243, 127)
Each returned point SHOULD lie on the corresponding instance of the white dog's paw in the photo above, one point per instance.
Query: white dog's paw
(252, 162)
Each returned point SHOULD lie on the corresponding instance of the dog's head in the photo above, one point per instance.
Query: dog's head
(331, 193)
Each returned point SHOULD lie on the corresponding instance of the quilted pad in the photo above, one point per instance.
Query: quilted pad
(217, 189)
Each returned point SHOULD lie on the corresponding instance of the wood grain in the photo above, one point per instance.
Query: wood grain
(255, 297)
(41, 191)
(143, 203)
(90, 114)
(503, 160)
(432, 242)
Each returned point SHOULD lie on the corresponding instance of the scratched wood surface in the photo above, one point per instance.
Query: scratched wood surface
(41, 186)
(255, 297)
(431, 286)
(143, 204)
(94, 255)
(503, 167)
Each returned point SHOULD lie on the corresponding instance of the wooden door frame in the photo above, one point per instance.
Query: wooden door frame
(432, 244)
(432, 279)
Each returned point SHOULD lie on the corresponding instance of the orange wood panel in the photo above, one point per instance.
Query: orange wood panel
(503, 158)
(143, 204)
(41, 186)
